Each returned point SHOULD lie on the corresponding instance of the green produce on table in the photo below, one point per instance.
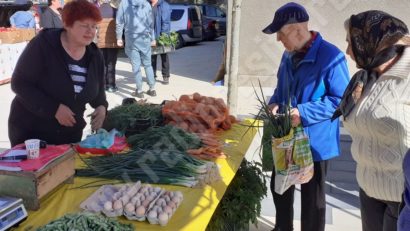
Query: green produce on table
(86, 221)
(133, 117)
(151, 166)
(166, 137)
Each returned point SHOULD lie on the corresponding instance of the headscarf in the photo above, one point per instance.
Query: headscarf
(373, 37)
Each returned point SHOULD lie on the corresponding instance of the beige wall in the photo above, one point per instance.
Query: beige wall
(260, 54)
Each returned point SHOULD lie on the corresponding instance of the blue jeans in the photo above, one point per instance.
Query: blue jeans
(139, 52)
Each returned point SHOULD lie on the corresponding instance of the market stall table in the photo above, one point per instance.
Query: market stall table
(195, 211)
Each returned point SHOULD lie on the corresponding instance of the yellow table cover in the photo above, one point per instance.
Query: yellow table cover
(195, 211)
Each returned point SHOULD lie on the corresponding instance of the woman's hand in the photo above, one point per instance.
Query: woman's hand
(65, 116)
(97, 118)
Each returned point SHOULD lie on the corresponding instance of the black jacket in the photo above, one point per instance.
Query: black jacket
(41, 82)
(49, 19)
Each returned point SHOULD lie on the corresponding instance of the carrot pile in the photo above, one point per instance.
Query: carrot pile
(211, 148)
(201, 115)
(198, 114)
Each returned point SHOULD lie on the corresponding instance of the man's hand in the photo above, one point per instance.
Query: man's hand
(274, 108)
(97, 118)
(295, 117)
(120, 43)
(65, 116)
(154, 43)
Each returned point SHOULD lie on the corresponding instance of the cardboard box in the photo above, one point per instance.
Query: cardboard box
(33, 186)
(16, 35)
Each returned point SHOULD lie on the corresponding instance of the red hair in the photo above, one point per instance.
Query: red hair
(78, 10)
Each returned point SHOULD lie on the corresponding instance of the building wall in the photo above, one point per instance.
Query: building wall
(260, 54)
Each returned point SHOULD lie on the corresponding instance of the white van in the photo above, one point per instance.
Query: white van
(186, 20)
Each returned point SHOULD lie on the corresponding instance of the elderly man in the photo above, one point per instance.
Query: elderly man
(311, 79)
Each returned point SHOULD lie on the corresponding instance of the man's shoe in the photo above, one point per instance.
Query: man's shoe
(165, 81)
(138, 95)
(112, 89)
(151, 93)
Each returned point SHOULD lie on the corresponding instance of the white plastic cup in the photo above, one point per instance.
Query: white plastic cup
(33, 148)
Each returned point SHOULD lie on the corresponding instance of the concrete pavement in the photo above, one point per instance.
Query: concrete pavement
(192, 68)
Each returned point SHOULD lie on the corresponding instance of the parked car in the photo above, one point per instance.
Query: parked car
(212, 12)
(186, 21)
(209, 31)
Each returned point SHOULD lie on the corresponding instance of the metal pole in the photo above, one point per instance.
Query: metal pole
(234, 58)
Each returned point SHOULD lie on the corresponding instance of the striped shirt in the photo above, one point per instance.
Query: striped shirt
(78, 71)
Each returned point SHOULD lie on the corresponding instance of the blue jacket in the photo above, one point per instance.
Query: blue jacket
(403, 223)
(135, 18)
(315, 86)
(162, 23)
(23, 19)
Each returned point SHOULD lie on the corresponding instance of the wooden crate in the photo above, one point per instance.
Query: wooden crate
(17, 35)
(33, 186)
(156, 50)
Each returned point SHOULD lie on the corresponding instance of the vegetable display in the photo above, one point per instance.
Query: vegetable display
(198, 114)
(86, 221)
(133, 118)
(152, 166)
(241, 202)
(165, 137)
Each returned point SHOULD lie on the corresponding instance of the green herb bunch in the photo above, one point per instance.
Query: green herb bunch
(241, 203)
(165, 137)
(280, 124)
(168, 40)
(131, 116)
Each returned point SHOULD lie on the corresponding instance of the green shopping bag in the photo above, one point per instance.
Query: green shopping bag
(292, 159)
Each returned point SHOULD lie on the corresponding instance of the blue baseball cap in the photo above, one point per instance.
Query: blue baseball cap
(287, 14)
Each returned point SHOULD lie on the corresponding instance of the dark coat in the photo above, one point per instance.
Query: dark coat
(42, 82)
(49, 19)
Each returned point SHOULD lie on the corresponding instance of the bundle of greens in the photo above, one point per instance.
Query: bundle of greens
(280, 124)
(86, 221)
(168, 40)
(155, 166)
(166, 137)
(133, 117)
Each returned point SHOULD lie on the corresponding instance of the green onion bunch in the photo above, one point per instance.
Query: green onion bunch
(279, 125)
(158, 167)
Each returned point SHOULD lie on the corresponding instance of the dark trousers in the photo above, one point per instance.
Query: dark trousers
(110, 60)
(313, 202)
(164, 64)
(378, 215)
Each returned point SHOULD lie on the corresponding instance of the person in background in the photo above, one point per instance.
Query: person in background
(51, 96)
(134, 17)
(108, 44)
(376, 111)
(312, 77)
(219, 79)
(162, 25)
(24, 18)
(51, 17)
